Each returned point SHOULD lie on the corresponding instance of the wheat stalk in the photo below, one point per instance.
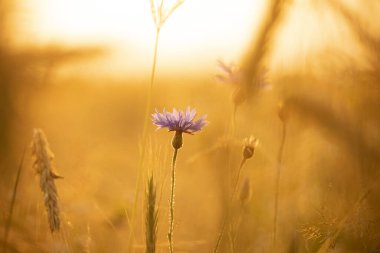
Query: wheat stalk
(151, 216)
(43, 164)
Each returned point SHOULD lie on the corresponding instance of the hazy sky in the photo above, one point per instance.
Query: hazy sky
(198, 33)
(194, 37)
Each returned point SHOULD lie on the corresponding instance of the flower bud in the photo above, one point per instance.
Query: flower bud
(177, 140)
(249, 147)
(248, 152)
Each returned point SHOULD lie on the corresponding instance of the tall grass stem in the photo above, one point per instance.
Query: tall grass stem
(13, 201)
(277, 183)
(144, 140)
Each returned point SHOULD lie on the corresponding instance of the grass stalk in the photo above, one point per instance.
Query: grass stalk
(13, 201)
(277, 183)
(144, 140)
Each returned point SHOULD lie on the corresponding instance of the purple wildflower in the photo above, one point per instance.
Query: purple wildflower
(179, 121)
(230, 73)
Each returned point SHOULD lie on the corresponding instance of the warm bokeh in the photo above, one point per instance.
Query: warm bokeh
(303, 77)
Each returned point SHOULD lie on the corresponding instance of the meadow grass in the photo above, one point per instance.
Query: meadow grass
(331, 152)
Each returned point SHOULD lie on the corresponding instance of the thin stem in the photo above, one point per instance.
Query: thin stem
(154, 60)
(219, 240)
(231, 239)
(171, 214)
(9, 220)
(236, 227)
(227, 216)
(237, 177)
(230, 191)
(277, 185)
(144, 139)
(150, 90)
(234, 110)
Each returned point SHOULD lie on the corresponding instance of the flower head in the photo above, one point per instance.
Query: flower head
(241, 80)
(179, 121)
(235, 75)
(229, 73)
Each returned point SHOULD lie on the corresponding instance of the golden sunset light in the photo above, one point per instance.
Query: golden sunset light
(191, 34)
(189, 126)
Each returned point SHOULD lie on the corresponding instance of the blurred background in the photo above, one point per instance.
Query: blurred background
(305, 82)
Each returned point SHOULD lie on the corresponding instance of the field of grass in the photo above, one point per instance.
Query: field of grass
(309, 184)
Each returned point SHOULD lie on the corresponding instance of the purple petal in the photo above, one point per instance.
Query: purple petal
(178, 120)
(197, 125)
(226, 68)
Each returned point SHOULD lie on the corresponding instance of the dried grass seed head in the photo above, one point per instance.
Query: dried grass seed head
(161, 13)
(43, 164)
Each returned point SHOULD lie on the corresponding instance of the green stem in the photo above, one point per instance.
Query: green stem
(9, 220)
(277, 185)
(171, 214)
(144, 140)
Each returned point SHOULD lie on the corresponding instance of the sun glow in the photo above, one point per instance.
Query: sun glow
(200, 31)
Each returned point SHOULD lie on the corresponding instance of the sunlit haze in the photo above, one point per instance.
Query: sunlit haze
(197, 34)
(252, 126)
